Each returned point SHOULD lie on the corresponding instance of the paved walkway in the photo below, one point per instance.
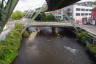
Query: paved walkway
(89, 28)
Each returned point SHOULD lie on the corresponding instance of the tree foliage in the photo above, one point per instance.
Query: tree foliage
(17, 15)
(50, 17)
(45, 17)
(94, 3)
(9, 47)
(41, 17)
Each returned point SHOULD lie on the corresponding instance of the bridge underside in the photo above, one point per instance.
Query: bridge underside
(57, 4)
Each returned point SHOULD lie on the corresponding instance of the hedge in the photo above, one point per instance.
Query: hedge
(92, 49)
(26, 34)
(9, 47)
(84, 37)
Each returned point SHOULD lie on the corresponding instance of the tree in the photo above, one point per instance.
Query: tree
(41, 17)
(50, 17)
(94, 3)
(17, 15)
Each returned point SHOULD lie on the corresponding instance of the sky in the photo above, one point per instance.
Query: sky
(29, 4)
(32, 4)
(88, 0)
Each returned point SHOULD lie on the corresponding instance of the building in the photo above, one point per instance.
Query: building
(77, 11)
(94, 13)
(93, 17)
(58, 14)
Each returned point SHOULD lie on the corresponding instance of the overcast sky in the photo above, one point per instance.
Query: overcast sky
(32, 4)
(29, 4)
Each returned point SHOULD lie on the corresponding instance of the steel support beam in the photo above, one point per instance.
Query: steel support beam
(7, 11)
(57, 4)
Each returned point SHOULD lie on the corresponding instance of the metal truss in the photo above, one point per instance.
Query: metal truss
(6, 9)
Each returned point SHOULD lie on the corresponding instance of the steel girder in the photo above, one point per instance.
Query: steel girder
(57, 4)
(6, 11)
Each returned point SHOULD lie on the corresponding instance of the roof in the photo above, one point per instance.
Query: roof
(55, 11)
(57, 4)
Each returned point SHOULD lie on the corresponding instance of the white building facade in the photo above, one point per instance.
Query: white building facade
(77, 11)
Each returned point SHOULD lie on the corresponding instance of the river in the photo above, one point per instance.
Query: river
(47, 48)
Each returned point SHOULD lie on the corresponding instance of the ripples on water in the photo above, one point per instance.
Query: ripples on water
(47, 48)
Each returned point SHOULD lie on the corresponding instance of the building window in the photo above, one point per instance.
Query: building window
(77, 9)
(86, 9)
(59, 13)
(77, 14)
(89, 13)
(90, 9)
(82, 14)
(82, 9)
(68, 9)
(59, 16)
(65, 18)
(86, 13)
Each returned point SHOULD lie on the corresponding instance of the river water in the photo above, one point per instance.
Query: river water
(47, 48)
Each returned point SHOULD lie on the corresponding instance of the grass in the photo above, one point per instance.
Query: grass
(9, 47)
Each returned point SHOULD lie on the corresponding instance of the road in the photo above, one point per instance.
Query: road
(52, 49)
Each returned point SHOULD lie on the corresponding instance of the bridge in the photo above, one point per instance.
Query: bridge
(88, 28)
(50, 24)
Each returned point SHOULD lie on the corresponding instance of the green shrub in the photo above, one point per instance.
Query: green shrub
(92, 48)
(25, 34)
(17, 15)
(50, 17)
(83, 36)
(9, 47)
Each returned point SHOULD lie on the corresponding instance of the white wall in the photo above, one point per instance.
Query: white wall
(74, 11)
(81, 7)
